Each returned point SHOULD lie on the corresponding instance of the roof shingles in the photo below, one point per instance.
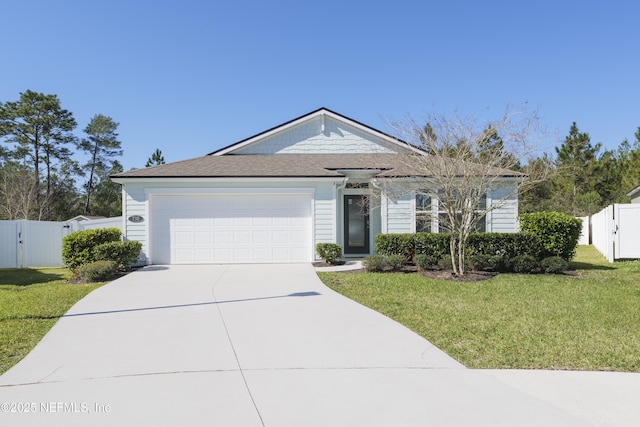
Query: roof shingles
(285, 165)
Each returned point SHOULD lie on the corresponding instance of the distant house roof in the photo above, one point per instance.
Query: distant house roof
(633, 193)
(85, 218)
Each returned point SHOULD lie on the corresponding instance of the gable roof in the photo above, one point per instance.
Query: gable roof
(407, 161)
(321, 112)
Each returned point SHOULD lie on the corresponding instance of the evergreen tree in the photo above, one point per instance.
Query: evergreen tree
(102, 145)
(39, 127)
(156, 159)
(575, 160)
(107, 200)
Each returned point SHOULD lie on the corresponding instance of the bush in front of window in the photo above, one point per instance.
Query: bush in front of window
(426, 262)
(505, 244)
(395, 244)
(485, 251)
(396, 262)
(434, 244)
(445, 262)
(481, 262)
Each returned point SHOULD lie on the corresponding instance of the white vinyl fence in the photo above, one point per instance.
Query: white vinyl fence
(26, 243)
(586, 231)
(615, 231)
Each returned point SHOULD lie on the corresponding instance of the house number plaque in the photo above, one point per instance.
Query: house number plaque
(136, 218)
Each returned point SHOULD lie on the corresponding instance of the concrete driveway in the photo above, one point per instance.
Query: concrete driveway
(248, 345)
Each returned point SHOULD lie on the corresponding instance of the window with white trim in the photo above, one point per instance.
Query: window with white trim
(425, 221)
(423, 213)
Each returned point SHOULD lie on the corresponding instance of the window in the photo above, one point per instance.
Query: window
(424, 208)
(423, 213)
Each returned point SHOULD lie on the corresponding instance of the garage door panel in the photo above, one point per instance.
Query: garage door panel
(227, 229)
(221, 255)
(260, 237)
(203, 238)
(298, 237)
(183, 237)
(281, 237)
(222, 237)
(203, 255)
(241, 237)
(261, 222)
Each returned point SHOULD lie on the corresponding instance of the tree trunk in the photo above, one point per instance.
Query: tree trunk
(452, 249)
(87, 205)
(36, 170)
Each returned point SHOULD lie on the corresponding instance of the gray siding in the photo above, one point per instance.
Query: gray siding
(504, 218)
(400, 215)
(308, 138)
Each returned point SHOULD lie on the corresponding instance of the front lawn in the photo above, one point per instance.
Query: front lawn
(31, 301)
(586, 322)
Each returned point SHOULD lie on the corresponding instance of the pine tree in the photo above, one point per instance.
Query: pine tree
(102, 145)
(575, 159)
(156, 159)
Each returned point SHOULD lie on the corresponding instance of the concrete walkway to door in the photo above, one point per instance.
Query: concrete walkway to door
(248, 345)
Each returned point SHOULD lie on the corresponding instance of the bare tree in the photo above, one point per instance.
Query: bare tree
(462, 161)
(17, 193)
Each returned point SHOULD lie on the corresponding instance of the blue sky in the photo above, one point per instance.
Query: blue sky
(190, 77)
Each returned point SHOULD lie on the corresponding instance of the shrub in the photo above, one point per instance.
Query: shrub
(524, 264)
(511, 244)
(554, 265)
(434, 244)
(501, 263)
(395, 244)
(374, 263)
(395, 262)
(329, 252)
(122, 253)
(445, 262)
(97, 271)
(481, 262)
(77, 247)
(558, 232)
(425, 262)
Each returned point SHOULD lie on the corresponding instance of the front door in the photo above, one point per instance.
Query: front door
(356, 224)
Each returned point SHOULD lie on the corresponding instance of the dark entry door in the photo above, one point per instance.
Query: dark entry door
(356, 225)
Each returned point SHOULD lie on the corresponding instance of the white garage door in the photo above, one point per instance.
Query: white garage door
(230, 229)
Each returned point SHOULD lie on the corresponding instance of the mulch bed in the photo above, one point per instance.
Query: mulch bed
(470, 276)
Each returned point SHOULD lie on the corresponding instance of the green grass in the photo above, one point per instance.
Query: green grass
(586, 322)
(31, 301)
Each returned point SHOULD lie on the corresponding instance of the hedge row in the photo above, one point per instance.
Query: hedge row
(437, 244)
(543, 235)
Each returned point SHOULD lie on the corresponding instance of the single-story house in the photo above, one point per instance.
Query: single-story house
(272, 197)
